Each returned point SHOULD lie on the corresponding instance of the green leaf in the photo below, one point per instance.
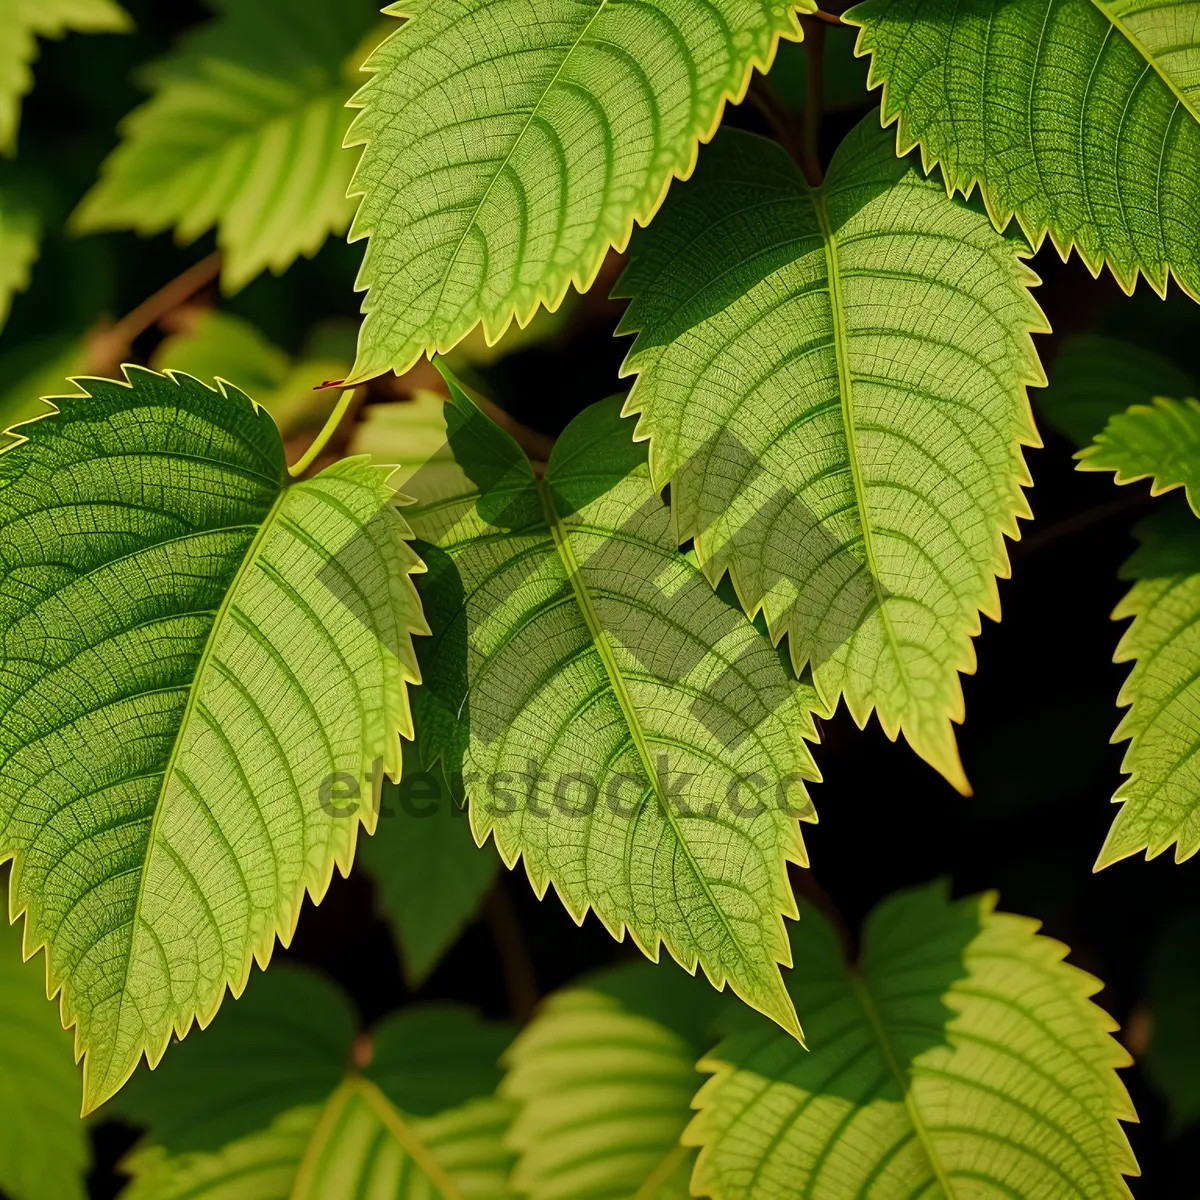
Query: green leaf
(833, 382)
(21, 23)
(214, 343)
(411, 434)
(358, 1144)
(286, 1042)
(260, 1166)
(418, 1120)
(603, 1079)
(430, 877)
(960, 1057)
(20, 236)
(510, 144)
(218, 344)
(1172, 1058)
(44, 1147)
(615, 723)
(243, 132)
(1081, 117)
(1094, 377)
(1158, 441)
(1168, 543)
(1161, 798)
(193, 646)
(289, 1041)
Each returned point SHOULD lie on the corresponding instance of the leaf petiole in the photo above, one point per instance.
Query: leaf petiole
(322, 439)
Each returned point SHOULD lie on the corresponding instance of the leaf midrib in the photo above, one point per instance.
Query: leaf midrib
(375, 1099)
(862, 994)
(841, 344)
(251, 135)
(663, 1171)
(1125, 32)
(247, 563)
(566, 554)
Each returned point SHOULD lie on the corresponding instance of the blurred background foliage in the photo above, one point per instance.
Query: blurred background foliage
(180, 258)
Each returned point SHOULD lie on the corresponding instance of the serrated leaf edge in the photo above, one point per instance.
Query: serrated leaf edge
(585, 276)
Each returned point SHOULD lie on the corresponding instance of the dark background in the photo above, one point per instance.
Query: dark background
(1040, 708)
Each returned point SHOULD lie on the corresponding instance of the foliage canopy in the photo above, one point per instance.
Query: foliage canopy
(486, 571)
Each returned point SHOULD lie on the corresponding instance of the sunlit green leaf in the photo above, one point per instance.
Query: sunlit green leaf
(1160, 801)
(243, 132)
(1079, 117)
(615, 723)
(1159, 442)
(193, 647)
(604, 1078)
(958, 1057)
(510, 143)
(833, 382)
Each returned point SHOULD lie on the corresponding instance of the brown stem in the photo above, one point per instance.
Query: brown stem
(805, 885)
(519, 979)
(776, 113)
(828, 18)
(810, 143)
(109, 347)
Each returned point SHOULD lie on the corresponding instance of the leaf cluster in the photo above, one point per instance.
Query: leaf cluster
(276, 596)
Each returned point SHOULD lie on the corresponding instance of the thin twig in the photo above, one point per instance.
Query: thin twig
(519, 979)
(828, 18)
(1125, 505)
(109, 346)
